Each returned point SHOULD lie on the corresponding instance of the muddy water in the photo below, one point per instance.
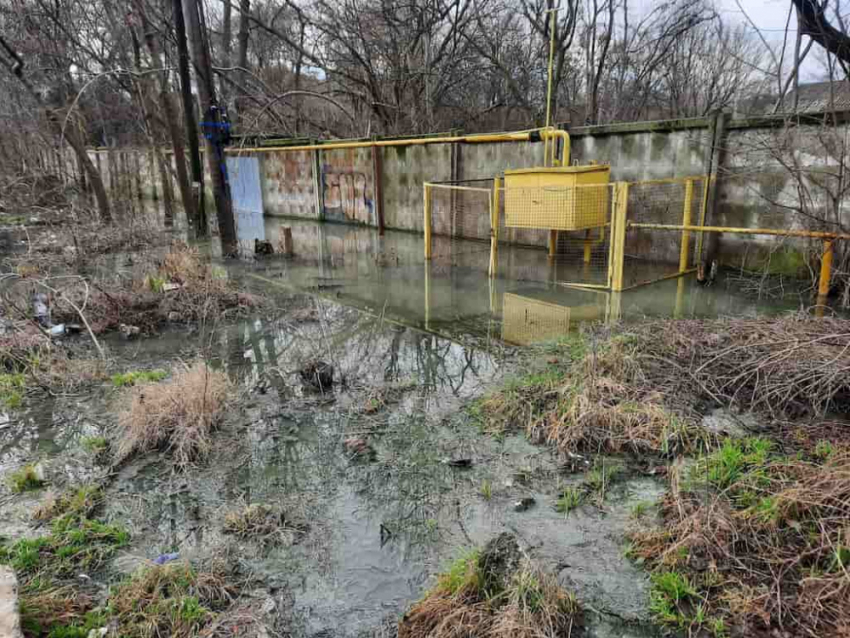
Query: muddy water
(367, 534)
(411, 346)
(452, 294)
(376, 530)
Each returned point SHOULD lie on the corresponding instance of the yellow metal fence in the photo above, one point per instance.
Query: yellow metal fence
(613, 236)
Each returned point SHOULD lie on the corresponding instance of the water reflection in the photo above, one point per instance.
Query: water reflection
(452, 295)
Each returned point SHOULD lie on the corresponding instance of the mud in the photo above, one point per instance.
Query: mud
(411, 346)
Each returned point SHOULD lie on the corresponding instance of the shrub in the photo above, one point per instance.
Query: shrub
(178, 415)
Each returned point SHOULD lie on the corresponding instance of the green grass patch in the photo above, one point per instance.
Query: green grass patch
(73, 545)
(737, 463)
(11, 390)
(672, 599)
(171, 600)
(486, 490)
(95, 444)
(574, 344)
(461, 575)
(77, 504)
(25, 479)
(823, 450)
(641, 509)
(571, 498)
(124, 379)
(12, 220)
(154, 283)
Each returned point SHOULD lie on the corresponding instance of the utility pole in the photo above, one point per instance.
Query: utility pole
(198, 205)
(214, 125)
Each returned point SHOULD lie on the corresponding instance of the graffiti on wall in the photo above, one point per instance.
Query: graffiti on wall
(348, 196)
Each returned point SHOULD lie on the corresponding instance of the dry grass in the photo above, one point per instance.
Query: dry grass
(171, 600)
(636, 392)
(79, 503)
(763, 538)
(259, 522)
(202, 294)
(787, 366)
(177, 415)
(603, 404)
(476, 598)
(43, 608)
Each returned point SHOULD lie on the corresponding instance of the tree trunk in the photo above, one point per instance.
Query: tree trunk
(170, 117)
(226, 48)
(91, 172)
(213, 123)
(242, 50)
(70, 133)
(198, 203)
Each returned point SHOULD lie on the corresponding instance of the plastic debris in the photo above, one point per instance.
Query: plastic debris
(41, 308)
(166, 558)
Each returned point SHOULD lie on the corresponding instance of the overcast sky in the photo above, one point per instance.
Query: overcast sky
(769, 16)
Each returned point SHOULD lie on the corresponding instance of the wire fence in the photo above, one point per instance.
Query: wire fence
(460, 218)
(651, 254)
(608, 236)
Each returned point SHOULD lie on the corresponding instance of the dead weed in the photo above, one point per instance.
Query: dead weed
(177, 415)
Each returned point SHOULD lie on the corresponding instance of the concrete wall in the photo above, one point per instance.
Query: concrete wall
(348, 186)
(645, 155)
(404, 169)
(754, 187)
(485, 161)
(288, 183)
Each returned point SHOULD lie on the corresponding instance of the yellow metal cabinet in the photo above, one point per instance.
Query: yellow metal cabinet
(560, 198)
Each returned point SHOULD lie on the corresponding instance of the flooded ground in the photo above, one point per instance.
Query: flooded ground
(453, 296)
(412, 344)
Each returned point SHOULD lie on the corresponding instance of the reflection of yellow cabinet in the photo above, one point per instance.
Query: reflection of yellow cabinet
(526, 320)
(560, 198)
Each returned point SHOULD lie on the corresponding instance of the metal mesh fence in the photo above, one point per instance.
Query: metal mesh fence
(460, 219)
(571, 224)
(651, 254)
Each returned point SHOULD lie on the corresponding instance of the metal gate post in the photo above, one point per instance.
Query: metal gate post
(618, 239)
(494, 227)
(825, 277)
(686, 221)
(427, 219)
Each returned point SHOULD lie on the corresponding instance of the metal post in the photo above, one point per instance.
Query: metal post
(702, 207)
(553, 243)
(427, 299)
(614, 307)
(619, 236)
(494, 227)
(427, 220)
(317, 185)
(377, 177)
(553, 15)
(686, 221)
(587, 246)
(825, 270)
